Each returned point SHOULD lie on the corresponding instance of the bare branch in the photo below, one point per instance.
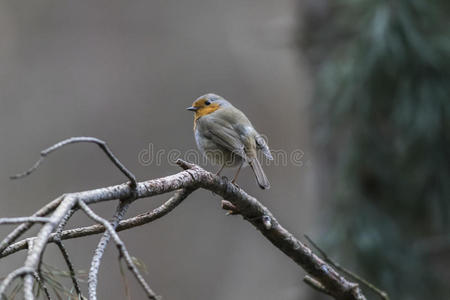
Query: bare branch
(139, 220)
(42, 285)
(192, 178)
(11, 276)
(144, 189)
(121, 247)
(57, 240)
(69, 264)
(98, 254)
(16, 233)
(34, 255)
(81, 139)
(9, 221)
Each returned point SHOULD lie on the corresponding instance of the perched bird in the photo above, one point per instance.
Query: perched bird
(225, 135)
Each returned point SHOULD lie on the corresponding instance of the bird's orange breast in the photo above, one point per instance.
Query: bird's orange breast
(205, 110)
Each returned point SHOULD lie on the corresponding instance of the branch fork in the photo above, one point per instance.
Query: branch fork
(54, 216)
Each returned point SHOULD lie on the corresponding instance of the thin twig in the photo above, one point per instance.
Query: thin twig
(9, 221)
(35, 254)
(69, 264)
(64, 221)
(347, 272)
(42, 285)
(28, 278)
(34, 257)
(136, 221)
(65, 254)
(81, 139)
(38, 274)
(21, 229)
(11, 276)
(100, 249)
(122, 249)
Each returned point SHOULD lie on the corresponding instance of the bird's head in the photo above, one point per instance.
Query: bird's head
(207, 104)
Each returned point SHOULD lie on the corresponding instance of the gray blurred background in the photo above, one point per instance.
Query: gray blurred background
(360, 87)
(124, 71)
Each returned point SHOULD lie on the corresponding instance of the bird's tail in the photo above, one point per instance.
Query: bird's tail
(261, 177)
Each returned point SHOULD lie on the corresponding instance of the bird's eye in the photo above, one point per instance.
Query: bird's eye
(207, 102)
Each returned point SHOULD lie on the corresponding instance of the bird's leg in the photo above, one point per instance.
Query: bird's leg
(221, 168)
(237, 173)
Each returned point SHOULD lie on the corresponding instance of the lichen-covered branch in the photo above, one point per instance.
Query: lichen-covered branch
(195, 177)
(321, 274)
(98, 253)
(16, 233)
(138, 220)
(122, 249)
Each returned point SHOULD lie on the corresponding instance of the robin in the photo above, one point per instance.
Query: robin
(225, 135)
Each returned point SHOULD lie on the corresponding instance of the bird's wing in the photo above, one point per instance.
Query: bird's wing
(245, 132)
(223, 134)
(261, 143)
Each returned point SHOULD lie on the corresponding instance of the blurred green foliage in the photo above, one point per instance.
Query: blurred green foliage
(382, 115)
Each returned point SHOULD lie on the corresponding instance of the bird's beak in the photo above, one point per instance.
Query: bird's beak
(192, 108)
